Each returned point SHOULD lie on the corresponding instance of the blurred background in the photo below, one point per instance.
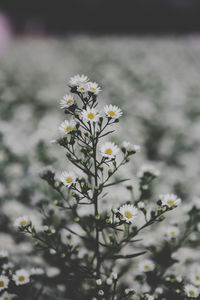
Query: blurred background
(145, 54)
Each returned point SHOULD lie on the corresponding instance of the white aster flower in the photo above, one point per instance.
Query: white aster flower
(21, 277)
(99, 282)
(67, 101)
(68, 178)
(109, 281)
(82, 88)
(4, 281)
(128, 213)
(140, 204)
(67, 126)
(148, 169)
(77, 80)
(109, 150)
(195, 275)
(149, 297)
(93, 88)
(170, 200)
(191, 291)
(113, 111)
(128, 290)
(90, 115)
(6, 296)
(130, 147)
(7, 266)
(22, 221)
(3, 254)
(172, 232)
(36, 271)
(146, 265)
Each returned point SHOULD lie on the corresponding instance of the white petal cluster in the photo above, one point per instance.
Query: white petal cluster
(130, 147)
(109, 150)
(194, 275)
(128, 213)
(191, 291)
(90, 115)
(83, 85)
(128, 290)
(170, 200)
(36, 271)
(148, 169)
(93, 88)
(172, 232)
(146, 265)
(22, 221)
(67, 101)
(3, 253)
(6, 296)
(78, 80)
(21, 277)
(4, 281)
(112, 111)
(68, 178)
(66, 127)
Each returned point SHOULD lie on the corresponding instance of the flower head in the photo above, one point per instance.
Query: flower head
(93, 87)
(22, 222)
(128, 213)
(4, 281)
(66, 127)
(148, 170)
(109, 150)
(113, 111)
(68, 178)
(146, 265)
(6, 296)
(67, 101)
(3, 253)
(90, 115)
(170, 200)
(195, 275)
(77, 80)
(21, 277)
(36, 271)
(191, 291)
(172, 232)
(130, 147)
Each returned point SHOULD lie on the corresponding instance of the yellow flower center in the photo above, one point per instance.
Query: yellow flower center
(173, 233)
(68, 128)
(108, 151)
(91, 116)
(21, 278)
(6, 298)
(93, 89)
(1, 283)
(82, 89)
(68, 179)
(22, 223)
(69, 101)
(191, 293)
(128, 214)
(111, 113)
(197, 277)
(146, 267)
(170, 202)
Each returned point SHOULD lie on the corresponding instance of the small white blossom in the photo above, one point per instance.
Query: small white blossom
(109, 281)
(36, 271)
(93, 88)
(109, 150)
(170, 200)
(191, 291)
(172, 232)
(114, 275)
(146, 265)
(21, 277)
(82, 88)
(113, 111)
(90, 115)
(100, 292)
(140, 204)
(66, 127)
(7, 266)
(194, 275)
(6, 296)
(3, 253)
(68, 178)
(77, 80)
(4, 281)
(130, 147)
(128, 213)
(128, 290)
(150, 297)
(67, 101)
(99, 282)
(159, 290)
(22, 221)
(148, 169)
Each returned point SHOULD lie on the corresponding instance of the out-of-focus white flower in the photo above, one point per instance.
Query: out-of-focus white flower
(93, 88)
(146, 265)
(114, 275)
(194, 275)
(109, 281)
(130, 147)
(67, 101)
(36, 271)
(6, 296)
(159, 290)
(172, 232)
(191, 291)
(113, 111)
(140, 204)
(148, 169)
(68, 178)
(53, 271)
(4, 281)
(99, 282)
(170, 200)
(90, 115)
(21, 277)
(22, 221)
(109, 150)
(3, 253)
(7, 266)
(82, 88)
(128, 213)
(66, 127)
(77, 80)
(150, 297)
(128, 290)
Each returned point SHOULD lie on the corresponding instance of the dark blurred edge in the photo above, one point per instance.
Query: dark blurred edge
(104, 16)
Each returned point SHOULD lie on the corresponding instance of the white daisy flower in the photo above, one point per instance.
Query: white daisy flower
(7, 266)
(4, 281)
(21, 277)
(68, 178)
(148, 169)
(191, 291)
(82, 88)
(67, 126)
(113, 111)
(109, 150)
(195, 275)
(130, 147)
(36, 271)
(172, 232)
(78, 80)
(128, 213)
(90, 115)
(6, 296)
(22, 221)
(170, 200)
(3, 254)
(128, 290)
(93, 88)
(146, 265)
(67, 101)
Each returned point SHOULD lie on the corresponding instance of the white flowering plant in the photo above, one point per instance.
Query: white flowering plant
(95, 251)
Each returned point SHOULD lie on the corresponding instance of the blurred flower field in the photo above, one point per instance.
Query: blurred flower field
(155, 81)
